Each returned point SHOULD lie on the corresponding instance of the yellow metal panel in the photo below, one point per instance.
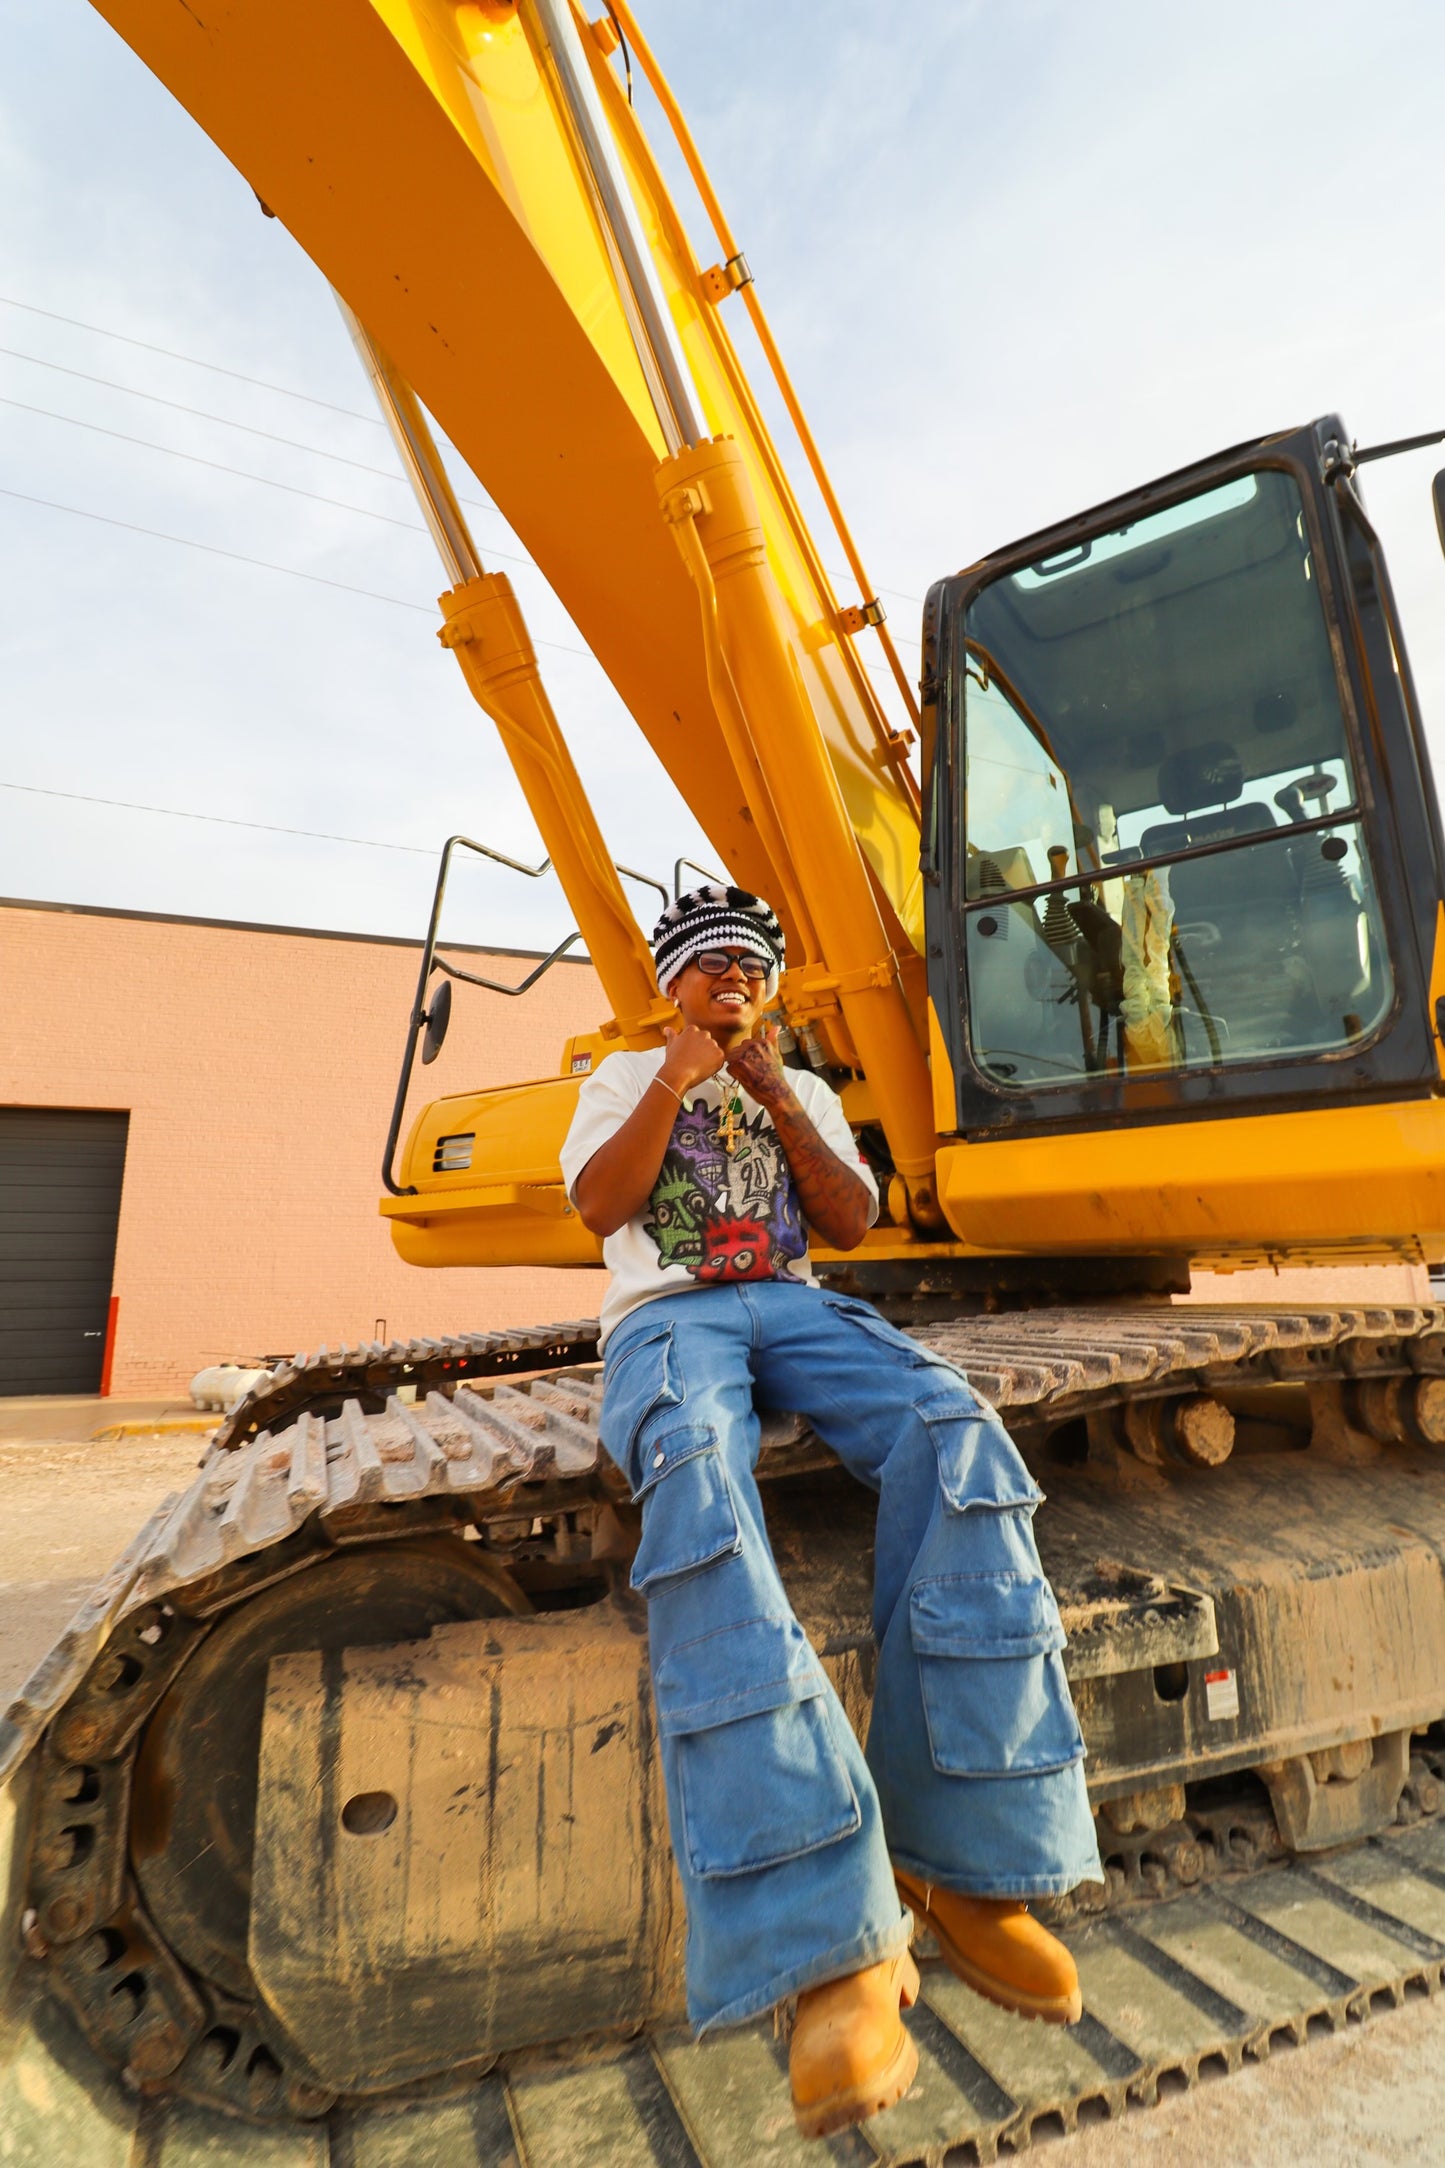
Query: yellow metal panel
(1367, 1180)
(493, 1235)
(517, 1132)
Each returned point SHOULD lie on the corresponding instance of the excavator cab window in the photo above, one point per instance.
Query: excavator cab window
(1161, 861)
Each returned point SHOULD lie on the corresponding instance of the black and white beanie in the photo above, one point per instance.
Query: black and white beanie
(716, 917)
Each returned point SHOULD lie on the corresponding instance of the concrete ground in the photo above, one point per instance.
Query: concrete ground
(1370, 2097)
(60, 1418)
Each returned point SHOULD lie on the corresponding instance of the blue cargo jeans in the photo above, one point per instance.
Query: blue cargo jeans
(973, 1779)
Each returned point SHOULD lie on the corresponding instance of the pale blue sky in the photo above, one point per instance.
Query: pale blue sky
(1020, 256)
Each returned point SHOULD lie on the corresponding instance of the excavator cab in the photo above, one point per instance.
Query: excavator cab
(1182, 850)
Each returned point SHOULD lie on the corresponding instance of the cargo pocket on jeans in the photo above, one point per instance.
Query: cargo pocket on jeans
(688, 1517)
(978, 1463)
(643, 1379)
(995, 1698)
(760, 1776)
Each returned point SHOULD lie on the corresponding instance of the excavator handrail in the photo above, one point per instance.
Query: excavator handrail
(420, 1017)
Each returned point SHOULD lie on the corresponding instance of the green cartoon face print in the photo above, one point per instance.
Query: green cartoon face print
(677, 1210)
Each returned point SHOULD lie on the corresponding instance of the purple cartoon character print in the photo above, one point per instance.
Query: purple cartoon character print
(722, 1217)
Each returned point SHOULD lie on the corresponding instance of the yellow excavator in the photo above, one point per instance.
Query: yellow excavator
(336, 1812)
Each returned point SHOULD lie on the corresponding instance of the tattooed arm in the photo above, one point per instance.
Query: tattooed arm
(834, 1197)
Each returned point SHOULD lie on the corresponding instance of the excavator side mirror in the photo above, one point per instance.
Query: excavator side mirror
(438, 1016)
(1437, 491)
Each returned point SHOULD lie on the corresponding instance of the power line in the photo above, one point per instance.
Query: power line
(261, 564)
(260, 384)
(242, 473)
(292, 489)
(191, 360)
(219, 820)
(293, 444)
(269, 436)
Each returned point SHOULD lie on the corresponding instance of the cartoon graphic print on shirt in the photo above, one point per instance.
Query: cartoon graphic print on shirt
(725, 1217)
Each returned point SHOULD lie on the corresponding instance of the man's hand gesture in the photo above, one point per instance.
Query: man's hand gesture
(757, 1065)
(692, 1054)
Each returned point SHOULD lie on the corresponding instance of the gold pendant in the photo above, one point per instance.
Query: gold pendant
(729, 1129)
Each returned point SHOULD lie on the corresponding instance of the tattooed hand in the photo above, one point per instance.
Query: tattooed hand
(757, 1065)
(834, 1196)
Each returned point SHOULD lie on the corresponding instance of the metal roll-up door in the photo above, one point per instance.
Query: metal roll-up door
(60, 1180)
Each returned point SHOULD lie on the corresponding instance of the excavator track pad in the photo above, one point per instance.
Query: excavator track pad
(337, 1808)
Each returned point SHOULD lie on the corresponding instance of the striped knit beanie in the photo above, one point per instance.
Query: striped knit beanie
(716, 917)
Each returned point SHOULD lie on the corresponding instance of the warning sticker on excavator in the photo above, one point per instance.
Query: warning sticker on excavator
(1221, 1694)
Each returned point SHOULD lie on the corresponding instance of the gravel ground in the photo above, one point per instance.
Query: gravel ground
(1374, 2094)
(70, 1510)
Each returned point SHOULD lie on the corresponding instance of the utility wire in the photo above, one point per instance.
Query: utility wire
(243, 474)
(171, 451)
(261, 564)
(269, 436)
(219, 820)
(237, 376)
(193, 361)
(260, 384)
(385, 474)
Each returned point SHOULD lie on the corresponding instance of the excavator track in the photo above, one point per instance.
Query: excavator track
(1207, 1941)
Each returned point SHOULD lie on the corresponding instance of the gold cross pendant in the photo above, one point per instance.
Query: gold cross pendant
(730, 1130)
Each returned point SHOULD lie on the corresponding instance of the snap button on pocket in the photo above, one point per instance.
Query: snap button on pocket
(689, 1520)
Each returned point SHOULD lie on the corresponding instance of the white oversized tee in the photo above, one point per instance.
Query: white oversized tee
(714, 1217)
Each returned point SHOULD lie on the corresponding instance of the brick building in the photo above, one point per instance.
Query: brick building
(211, 1099)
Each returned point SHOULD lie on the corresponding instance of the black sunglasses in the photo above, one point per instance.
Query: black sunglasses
(715, 963)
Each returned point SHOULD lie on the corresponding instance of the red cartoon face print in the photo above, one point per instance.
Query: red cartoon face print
(735, 1249)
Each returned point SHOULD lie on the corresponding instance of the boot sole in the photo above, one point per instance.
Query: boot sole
(841, 2110)
(1048, 2009)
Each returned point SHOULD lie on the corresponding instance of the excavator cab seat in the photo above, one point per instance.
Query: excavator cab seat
(1212, 775)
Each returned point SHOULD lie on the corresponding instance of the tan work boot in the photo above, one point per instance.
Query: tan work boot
(851, 2056)
(994, 1945)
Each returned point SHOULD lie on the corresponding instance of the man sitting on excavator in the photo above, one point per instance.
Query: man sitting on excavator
(703, 1166)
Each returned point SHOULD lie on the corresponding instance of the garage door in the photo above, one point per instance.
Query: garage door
(60, 1177)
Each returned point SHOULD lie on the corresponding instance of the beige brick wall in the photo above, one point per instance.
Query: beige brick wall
(258, 1068)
